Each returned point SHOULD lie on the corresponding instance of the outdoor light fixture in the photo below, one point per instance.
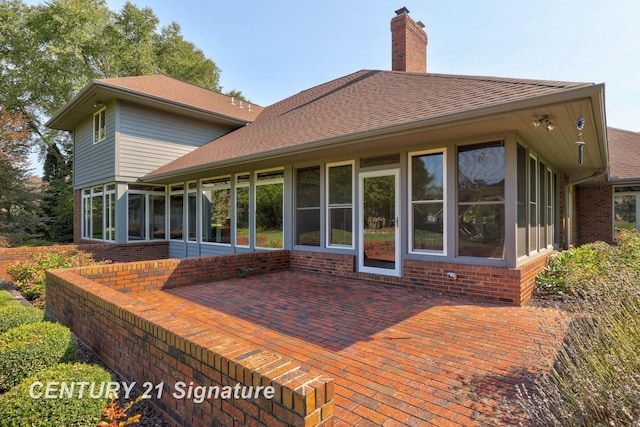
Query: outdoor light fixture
(98, 104)
(580, 142)
(546, 121)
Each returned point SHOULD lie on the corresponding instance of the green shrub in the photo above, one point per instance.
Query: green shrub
(6, 299)
(16, 315)
(18, 408)
(573, 269)
(29, 348)
(28, 276)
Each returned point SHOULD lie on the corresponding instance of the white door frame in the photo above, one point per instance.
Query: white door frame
(361, 222)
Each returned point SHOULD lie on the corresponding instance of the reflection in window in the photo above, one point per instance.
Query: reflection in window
(624, 206)
(99, 126)
(269, 207)
(242, 210)
(308, 206)
(97, 214)
(137, 215)
(216, 210)
(481, 200)
(427, 202)
(157, 207)
(176, 212)
(192, 211)
(533, 200)
(521, 209)
(340, 204)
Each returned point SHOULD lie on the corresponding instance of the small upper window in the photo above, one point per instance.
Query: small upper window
(99, 126)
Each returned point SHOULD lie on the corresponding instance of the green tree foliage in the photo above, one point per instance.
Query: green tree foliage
(51, 51)
(19, 208)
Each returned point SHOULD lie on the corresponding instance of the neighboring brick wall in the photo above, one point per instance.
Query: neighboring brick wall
(594, 214)
(174, 273)
(115, 326)
(122, 252)
(511, 285)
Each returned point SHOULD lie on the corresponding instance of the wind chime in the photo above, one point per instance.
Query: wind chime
(580, 142)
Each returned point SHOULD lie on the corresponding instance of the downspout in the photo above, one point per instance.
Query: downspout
(568, 191)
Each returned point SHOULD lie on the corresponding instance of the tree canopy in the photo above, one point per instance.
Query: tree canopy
(50, 51)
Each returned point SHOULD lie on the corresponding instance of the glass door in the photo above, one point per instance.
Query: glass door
(379, 243)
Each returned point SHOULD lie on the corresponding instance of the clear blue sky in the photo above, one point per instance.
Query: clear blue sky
(272, 49)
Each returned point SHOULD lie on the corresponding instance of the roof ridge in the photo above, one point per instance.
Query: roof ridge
(623, 130)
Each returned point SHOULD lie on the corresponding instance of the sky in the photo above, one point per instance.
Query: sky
(272, 49)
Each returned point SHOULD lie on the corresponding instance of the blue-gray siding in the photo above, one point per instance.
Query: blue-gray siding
(94, 163)
(151, 138)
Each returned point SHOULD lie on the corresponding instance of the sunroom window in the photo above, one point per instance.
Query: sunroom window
(308, 206)
(242, 210)
(427, 210)
(481, 223)
(625, 207)
(216, 210)
(98, 213)
(340, 204)
(176, 212)
(269, 186)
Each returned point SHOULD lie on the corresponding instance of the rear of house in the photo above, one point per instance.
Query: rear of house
(451, 183)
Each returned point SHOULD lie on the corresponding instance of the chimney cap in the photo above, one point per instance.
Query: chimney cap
(402, 11)
(420, 24)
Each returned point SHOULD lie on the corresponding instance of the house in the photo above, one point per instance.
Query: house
(458, 184)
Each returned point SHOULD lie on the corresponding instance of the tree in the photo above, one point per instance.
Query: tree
(49, 52)
(19, 208)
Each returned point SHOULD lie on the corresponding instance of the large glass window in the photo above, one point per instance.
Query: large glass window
(110, 212)
(481, 200)
(340, 204)
(157, 216)
(216, 210)
(192, 211)
(428, 219)
(137, 217)
(176, 212)
(242, 210)
(97, 212)
(146, 212)
(269, 187)
(97, 220)
(521, 201)
(533, 204)
(625, 209)
(308, 206)
(542, 207)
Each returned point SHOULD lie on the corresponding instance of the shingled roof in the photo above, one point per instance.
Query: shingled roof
(624, 154)
(171, 89)
(362, 102)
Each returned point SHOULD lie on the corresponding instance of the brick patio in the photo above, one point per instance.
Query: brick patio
(398, 356)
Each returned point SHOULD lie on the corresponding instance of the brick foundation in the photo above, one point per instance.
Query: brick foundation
(141, 347)
(122, 252)
(510, 285)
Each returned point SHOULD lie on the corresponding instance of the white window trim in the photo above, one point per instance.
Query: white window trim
(327, 224)
(221, 187)
(533, 222)
(101, 124)
(410, 202)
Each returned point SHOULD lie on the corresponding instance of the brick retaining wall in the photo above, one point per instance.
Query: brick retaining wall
(120, 330)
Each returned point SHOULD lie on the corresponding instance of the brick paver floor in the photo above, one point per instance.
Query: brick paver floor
(398, 356)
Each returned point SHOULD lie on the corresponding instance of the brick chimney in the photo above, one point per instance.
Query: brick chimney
(408, 43)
